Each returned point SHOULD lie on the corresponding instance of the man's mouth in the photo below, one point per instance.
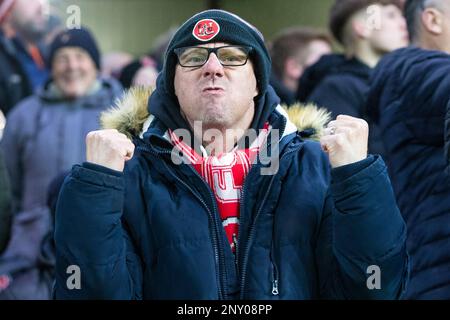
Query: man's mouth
(72, 77)
(213, 90)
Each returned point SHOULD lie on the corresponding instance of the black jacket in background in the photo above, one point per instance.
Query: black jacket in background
(14, 84)
(409, 95)
(340, 85)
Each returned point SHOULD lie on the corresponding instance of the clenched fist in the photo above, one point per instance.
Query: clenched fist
(345, 140)
(108, 148)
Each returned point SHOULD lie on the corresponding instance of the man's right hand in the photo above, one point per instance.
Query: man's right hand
(108, 148)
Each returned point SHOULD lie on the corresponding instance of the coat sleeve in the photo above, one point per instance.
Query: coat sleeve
(30, 277)
(361, 251)
(95, 256)
(12, 144)
(447, 137)
(5, 206)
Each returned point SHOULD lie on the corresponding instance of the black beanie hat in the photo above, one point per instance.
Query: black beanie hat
(219, 26)
(75, 38)
(128, 72)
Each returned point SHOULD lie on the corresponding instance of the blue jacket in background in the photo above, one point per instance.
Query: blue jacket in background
(154, 232)
(408, 99)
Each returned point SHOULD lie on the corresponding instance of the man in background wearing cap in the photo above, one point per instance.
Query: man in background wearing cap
(44, 136)
(367, 30)
(409, 98)
(22, 25)
(198, 212)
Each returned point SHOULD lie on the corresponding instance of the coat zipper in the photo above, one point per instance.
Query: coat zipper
(275, 282)
(219, 261)
(249, 239)
(250, 236)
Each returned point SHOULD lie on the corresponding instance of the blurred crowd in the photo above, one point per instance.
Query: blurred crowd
(55, 83)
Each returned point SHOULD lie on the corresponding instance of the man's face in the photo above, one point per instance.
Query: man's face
(29, 18)
(317, 49)
(73, 71)
(221, 97)
(391, 32)
(146, 77)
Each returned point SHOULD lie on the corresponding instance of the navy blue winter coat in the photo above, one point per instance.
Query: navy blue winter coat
(306, 232)
(447, 137)
(409, 95)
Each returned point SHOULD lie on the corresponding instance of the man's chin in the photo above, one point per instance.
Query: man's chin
(214, 122)
(73, 93)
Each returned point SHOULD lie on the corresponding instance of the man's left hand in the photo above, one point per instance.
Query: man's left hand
(345, 140)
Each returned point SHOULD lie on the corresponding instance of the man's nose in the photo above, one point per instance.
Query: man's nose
(71, 63)
(212, 67)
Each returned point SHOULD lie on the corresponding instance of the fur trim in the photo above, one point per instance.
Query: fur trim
(129, 113)
(309, 117)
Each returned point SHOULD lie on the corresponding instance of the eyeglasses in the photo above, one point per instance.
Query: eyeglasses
(232, 56)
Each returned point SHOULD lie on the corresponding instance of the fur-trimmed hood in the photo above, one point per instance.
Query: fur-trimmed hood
(130, 115)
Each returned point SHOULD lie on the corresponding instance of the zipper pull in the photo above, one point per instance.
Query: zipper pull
(235, 243)
(275, 287)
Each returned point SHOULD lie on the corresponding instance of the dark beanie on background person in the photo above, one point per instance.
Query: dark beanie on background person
(81, 38)
(219, 26)
(343, 10)
(128, 73)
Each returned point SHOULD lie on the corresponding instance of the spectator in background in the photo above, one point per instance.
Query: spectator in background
(22, 67)
(114, 62)
(28, 24)
(340, 82)
(157, 53)
(292, 51)
(409, 96)
(140, 72)
(44, 136)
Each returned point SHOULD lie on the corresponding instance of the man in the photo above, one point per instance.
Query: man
(44, 136)
(23, 23)
(408, 99)
(292, 51)
(140, 72)
(367, 30)
(190, 214)
(114, 62)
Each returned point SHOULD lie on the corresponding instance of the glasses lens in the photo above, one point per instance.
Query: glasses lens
(232, 56)
(192, 57)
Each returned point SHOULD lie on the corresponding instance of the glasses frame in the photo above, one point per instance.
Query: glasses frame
(246, 49)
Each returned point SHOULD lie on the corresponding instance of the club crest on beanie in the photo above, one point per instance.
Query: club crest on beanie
(219, 26)
(206, 29)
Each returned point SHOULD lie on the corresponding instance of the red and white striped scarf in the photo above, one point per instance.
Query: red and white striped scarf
(225, 174)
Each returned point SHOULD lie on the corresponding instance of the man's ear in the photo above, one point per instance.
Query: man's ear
(432, 21)
(292, 68)
(359, 29)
